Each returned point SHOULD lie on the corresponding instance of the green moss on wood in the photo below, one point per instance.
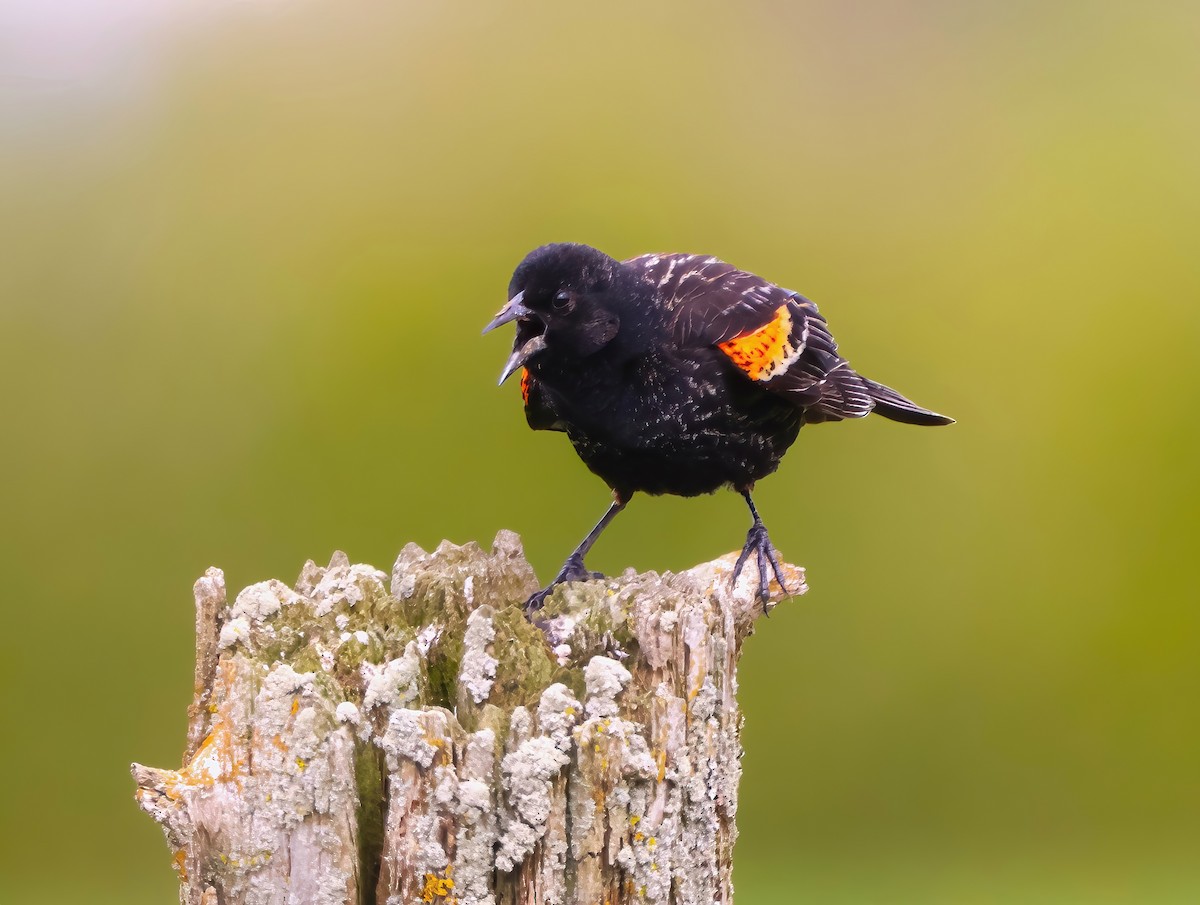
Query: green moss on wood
(371, 776)
(525, 664)
(442, 667)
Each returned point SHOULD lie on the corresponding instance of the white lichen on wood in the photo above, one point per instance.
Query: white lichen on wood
(351, 742)
(478, 670)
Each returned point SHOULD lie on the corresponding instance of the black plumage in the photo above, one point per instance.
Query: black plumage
(677, 374)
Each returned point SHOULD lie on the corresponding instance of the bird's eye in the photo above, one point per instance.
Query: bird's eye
(563, 302)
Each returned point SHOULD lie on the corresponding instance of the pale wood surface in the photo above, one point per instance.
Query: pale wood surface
(356, 739)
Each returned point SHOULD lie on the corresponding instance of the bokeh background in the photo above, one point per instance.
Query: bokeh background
(245, 254)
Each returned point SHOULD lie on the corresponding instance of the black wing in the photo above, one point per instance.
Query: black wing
(771, 335)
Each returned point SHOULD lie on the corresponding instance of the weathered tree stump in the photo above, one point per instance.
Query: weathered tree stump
(353, 744)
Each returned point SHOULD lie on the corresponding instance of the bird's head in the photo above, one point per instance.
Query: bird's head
(560, 298)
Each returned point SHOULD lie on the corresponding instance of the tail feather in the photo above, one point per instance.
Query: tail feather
(892, 405)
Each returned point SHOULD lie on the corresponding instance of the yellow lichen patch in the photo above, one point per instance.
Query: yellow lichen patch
(301, 763)
(257, 860)
(179, 862)
(765, 351)
(443, 753)
(638, 837)
(295, 706)
(633, 821)
(437, 887)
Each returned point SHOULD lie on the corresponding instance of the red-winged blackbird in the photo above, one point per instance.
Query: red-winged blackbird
(677, 374)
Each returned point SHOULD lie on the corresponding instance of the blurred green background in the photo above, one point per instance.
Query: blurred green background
(245, 254)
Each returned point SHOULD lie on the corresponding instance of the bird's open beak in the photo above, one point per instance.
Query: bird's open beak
(510, 312)
(522, 355)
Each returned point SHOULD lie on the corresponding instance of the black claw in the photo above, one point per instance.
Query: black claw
(537, 601)
(777, 568)
(758, 543)
(573, 570)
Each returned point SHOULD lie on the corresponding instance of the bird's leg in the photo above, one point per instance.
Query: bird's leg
(574, 569)
(758, 543)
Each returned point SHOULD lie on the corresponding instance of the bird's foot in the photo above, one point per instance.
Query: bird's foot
(573, 570)
(759, 544)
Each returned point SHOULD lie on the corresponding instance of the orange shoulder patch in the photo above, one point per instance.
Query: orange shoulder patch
(525, 378)
(767, 351)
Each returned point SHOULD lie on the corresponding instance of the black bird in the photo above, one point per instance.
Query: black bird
(675, 373)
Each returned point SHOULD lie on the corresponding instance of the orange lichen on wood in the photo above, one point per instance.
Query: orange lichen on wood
(215, 761)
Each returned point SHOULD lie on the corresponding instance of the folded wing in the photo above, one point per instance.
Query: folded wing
(770, 335)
